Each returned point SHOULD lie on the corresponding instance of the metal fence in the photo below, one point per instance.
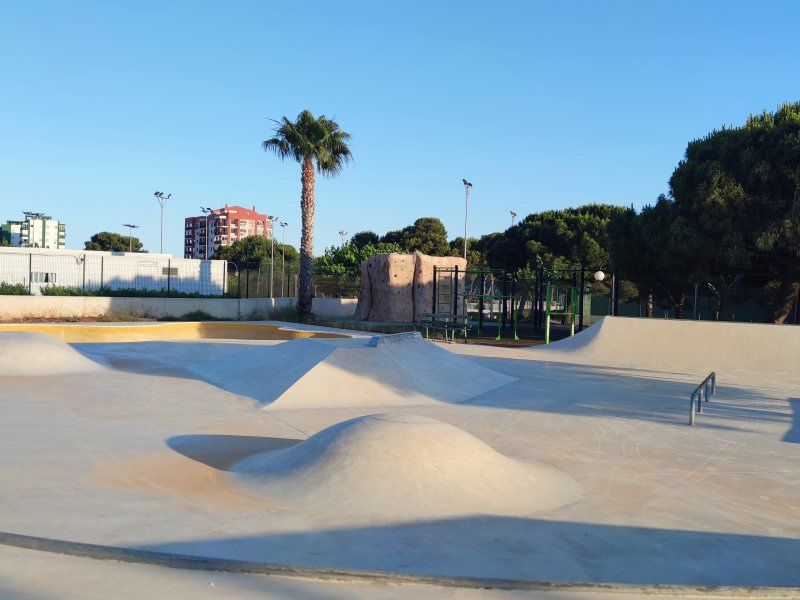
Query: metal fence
(259, 281)
(70, 272)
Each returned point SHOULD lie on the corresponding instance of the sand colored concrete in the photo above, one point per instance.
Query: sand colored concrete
(23, 353)
(402, 466)
(189, 330)
(315, 373)
(423, 280)
(148, 459)
(390, 279)
(736, 351)
(398, 288)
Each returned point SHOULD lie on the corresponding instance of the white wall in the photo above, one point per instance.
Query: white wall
(92, 270)
(55, 307)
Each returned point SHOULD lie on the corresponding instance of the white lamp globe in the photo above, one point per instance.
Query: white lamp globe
(599, 276)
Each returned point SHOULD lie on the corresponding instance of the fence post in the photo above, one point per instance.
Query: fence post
(455, 292)
(169, 274)
(581, 300)
(30, 273)
(84, 273)
(480, 302)
(102, 271)
(433, 307)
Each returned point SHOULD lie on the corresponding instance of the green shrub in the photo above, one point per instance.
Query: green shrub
(13, 289)
(195, 315)
(61, 290)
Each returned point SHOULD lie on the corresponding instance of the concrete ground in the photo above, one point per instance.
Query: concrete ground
(140, 456)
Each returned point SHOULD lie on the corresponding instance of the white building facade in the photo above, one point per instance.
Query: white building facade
(89, 270)
(36, 231)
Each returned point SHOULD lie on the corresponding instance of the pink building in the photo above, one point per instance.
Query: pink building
(223, 226)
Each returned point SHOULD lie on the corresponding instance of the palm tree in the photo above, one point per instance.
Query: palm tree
(309, 141)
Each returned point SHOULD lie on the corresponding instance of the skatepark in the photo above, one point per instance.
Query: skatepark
(328, 463)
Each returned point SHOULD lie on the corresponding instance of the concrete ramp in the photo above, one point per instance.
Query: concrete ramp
(737, 350)
(24, 353)
(407, 372)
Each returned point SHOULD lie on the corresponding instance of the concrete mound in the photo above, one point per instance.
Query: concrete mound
(411, 372)
(26, 353)
(398, 465)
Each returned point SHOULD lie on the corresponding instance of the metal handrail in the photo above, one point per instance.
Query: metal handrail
(701, 394)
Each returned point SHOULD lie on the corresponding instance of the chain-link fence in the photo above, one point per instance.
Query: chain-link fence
(75, 273)
(282, 281)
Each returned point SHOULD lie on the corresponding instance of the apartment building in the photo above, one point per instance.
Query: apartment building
(204, 234)
(36, 231)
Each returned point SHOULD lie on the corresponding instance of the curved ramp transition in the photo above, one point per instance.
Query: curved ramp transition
(23, 353)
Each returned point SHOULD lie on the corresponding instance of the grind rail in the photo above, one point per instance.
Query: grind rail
(701, 394)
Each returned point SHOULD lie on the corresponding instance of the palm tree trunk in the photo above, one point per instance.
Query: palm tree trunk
(305, 295)
(649, 303)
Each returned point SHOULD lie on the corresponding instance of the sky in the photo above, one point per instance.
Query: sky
(541, 105)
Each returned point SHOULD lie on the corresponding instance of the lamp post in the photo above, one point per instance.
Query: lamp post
(342, 235)
(130, 235)
(467, 188)
(283, 255)
(162, 198)
(513, 217)
(271, 219)
(206, 211)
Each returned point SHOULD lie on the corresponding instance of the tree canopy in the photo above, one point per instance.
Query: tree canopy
(427, 235)
(113, 242)
(255, 250)
(347, 259)
(738, 190)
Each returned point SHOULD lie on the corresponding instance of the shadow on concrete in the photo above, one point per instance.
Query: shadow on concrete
(518, 548)
(263, 373)
(583, 390)
(222, 451)
(793, 435)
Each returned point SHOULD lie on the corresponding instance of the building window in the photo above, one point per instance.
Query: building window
(42, 277)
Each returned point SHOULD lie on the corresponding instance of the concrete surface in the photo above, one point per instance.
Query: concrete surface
(62, 307)
(142, 458)
(315, 373)
(405, 467)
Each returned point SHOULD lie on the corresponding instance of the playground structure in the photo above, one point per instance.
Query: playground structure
(470, 301)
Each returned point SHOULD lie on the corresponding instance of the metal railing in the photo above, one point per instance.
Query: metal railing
(701, 394)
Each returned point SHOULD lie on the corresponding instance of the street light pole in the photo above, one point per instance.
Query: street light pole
(130, 235)
(271, 219)
(342, 235)
(467, 188)
(283, 256)
(206, 211)
(162, 198)
(513, 217)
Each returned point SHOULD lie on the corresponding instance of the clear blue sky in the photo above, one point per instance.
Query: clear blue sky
(540, 104)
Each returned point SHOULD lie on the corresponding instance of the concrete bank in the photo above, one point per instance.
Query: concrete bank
(55, 307)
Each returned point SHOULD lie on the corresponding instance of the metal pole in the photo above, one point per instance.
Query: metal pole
(580, 307)
(283, 255)
(467, 188)
(271, 259)
(161, 251)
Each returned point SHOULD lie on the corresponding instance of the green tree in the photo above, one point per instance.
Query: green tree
(560, 239)
(427, 235)
(738, 189)
(255, 250)
(347, 259)
(113, 242)
(362, 238)
(313, 142)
